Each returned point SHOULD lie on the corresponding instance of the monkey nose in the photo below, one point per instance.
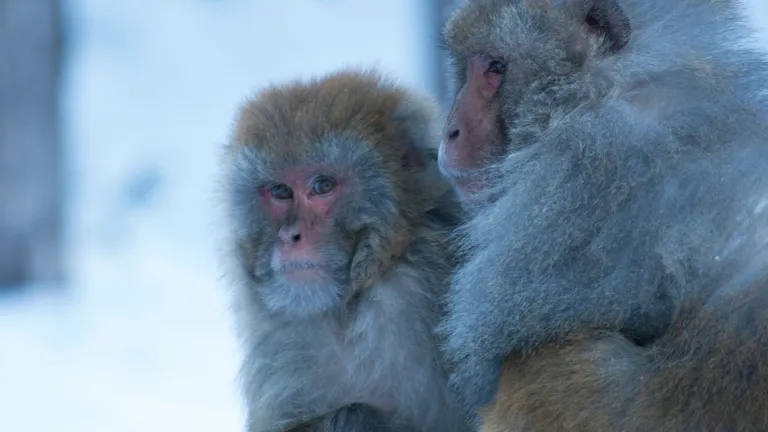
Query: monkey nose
(290, 234)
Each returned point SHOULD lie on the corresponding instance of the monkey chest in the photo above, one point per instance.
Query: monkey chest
(375, 362)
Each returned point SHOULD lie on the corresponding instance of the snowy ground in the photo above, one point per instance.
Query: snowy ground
(140, 340)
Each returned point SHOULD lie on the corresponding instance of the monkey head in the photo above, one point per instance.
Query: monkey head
(326, 179)
(512, 61)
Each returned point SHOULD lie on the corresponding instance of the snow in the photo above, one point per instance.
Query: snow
(140, 339)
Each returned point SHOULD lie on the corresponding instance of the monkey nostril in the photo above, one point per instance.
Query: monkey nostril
(290, 235)
(453, 135)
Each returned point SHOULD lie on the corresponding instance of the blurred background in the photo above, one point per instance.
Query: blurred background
(113, 316)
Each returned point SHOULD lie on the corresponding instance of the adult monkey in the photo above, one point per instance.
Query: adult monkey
(338, 221)
(615, 155)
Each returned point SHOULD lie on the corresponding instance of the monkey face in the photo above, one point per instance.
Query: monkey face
(326, 178)
(472, 140)
(306, 221)
(307, 257)
(509, 81)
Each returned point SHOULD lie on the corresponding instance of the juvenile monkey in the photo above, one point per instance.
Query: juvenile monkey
(339, 220)
(614, 156)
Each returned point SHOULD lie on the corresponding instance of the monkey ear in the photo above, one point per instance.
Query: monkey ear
(607, 18)
(416, 119)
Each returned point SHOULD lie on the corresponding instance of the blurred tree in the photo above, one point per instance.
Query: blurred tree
(30, 146)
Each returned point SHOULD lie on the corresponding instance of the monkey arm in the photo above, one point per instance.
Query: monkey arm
(705, 373)
(283, 416)
(545, 260)
(351, 418)
(276, 376)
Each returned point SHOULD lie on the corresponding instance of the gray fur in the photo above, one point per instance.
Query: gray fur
(332, 358)
(382, 354)
(638, 179)
(356, 417)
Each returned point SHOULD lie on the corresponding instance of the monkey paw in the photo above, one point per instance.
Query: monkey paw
(475, 382)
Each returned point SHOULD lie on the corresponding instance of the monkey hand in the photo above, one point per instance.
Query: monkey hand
(474, 345)
(475, 380)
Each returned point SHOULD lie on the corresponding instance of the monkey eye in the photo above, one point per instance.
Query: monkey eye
(323, 185)
(281, 191)
(496, 67)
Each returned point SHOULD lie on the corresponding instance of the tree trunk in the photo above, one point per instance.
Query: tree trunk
(30, 147)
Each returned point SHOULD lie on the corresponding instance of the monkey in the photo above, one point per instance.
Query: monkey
(707, 373)
(339, 224)
(354, 417)
(612, 156)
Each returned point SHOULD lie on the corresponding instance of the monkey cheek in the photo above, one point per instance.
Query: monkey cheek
(261, 270)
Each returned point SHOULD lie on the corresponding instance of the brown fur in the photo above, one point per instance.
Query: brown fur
(709, 373)
(361, 105)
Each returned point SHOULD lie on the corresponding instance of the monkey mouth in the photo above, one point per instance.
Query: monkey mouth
(302, 271)
(469, 185)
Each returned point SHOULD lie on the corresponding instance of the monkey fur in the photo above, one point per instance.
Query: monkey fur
(709, 372)
(339, 220)
(614, 157)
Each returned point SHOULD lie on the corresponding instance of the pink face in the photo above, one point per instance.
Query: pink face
(471, 138)
(301, 205)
